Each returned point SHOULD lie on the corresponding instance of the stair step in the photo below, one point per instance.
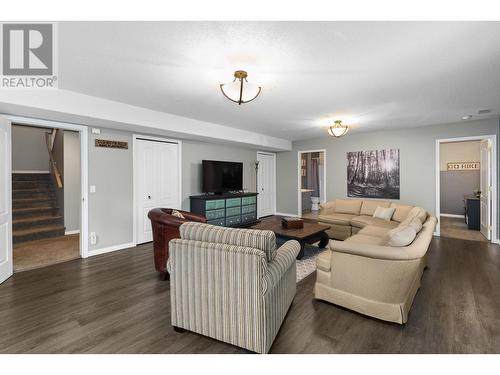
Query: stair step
(37, 221)
(18, 213)
(30, 176)
(31, 234)
(33, 202)
(20, 194)
(17, 185)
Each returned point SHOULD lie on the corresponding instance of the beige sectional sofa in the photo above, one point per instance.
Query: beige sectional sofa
(377, 269)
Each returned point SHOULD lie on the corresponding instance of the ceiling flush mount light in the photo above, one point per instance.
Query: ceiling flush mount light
(338, 130)
(240, 91)
(468, 117)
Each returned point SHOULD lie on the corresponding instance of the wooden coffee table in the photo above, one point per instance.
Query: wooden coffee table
(311, 233)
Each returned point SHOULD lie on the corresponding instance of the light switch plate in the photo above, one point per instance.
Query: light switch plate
(92, 188)
(96, 131)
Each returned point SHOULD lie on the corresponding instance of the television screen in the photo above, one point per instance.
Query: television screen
(222, 176)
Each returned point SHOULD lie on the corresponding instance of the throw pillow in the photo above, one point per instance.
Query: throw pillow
(384, 213)
(400, 236)
(177, 214)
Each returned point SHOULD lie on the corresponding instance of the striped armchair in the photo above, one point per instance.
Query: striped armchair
(231, 284)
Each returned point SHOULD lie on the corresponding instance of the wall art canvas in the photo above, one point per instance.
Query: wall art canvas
(373, 174)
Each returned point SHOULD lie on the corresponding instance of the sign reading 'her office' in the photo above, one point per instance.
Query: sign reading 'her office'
(463, 166)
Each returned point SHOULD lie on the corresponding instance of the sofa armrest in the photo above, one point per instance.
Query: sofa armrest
(191, 216)
(327, 208)
(371, 251)
(285, 257)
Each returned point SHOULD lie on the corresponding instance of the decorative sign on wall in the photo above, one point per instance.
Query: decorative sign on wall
(463, 166)
(373, 174)
(111, 144)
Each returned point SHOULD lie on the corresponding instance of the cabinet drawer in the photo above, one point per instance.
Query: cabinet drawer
(232, 202)
(248, 209)
(219, 222)
(248, 218)
(248, 200)
(233, 220)
(233, 211)
(214, 204)
(214, 214)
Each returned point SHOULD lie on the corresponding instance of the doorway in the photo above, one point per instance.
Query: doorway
(157, 180)
(312, 182)
(266, 184)
(466, 188)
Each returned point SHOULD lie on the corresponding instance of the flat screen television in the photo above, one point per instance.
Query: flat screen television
(222, 176)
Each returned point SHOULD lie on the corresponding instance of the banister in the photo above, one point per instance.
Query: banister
(49, 140)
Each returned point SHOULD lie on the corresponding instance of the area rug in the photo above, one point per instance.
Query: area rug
(307, 264)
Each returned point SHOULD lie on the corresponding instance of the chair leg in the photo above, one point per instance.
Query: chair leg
(164, 276)
(179, 329)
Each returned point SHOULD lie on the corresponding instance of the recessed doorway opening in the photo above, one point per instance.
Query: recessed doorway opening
(312, 182)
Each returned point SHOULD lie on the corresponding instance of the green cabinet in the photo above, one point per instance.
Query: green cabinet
(230, 210)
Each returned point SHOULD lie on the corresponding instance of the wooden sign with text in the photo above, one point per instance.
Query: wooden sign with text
(463, 166)
(111, 144)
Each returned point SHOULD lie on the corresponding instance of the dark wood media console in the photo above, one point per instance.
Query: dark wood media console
(226, 210)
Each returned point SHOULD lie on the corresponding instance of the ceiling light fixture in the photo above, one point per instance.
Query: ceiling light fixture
(338, 130)
(468, 117)
(240, 91)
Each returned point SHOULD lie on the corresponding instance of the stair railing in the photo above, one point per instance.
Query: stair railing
(49, 140)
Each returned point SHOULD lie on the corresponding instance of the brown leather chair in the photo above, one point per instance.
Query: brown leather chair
(166, 227)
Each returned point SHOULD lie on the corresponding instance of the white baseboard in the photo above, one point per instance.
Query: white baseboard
(69, 232)
(285, 214)
(30, 172)
(453, 215)
(109, 249)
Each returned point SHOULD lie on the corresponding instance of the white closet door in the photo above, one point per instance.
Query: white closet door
(266, 184)
(6, 264)
(485, 200)
(157, 182)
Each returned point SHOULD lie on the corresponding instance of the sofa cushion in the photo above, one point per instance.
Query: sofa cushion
(365, 239)
(418, 212)
(327, 207)
(264, 240)
(372, 230)
(400, 236)
(369, 207)
(348, 206)
(413, 222)
(339, 219)
(384, 213)
(402, 211)
(363, 221)
(323, 261)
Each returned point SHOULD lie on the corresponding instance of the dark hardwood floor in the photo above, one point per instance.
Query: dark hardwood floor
(114, 303)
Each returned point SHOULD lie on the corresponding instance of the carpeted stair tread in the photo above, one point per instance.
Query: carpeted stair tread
(31, 231)
(33, 209)
(35, 219)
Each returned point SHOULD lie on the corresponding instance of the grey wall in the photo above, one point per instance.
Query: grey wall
(110, 207)
(72, 196)
(29, 151)
(194, 152)
(417, 153)
(455, 185)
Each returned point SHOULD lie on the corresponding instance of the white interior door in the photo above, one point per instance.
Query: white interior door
(485, 205)
(6, 263)
(157, 181)
(266, 184)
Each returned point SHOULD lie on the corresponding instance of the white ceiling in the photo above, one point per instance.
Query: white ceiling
(371, 75)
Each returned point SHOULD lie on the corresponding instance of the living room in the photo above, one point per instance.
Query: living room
(274, 187)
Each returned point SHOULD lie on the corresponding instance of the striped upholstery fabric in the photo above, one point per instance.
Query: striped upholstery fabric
(231, 292)
(264, 240)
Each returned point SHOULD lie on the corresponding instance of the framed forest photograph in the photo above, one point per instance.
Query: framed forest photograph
(373, 174)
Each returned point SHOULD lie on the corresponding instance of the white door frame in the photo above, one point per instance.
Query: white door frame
(84, 183)
(273, 154)
(134, 173)
(299, 178)
(493, 171)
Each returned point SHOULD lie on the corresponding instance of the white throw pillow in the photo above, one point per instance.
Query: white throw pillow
(384, 213)
(400, 236)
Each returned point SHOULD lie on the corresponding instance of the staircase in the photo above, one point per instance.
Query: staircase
(35, 213)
